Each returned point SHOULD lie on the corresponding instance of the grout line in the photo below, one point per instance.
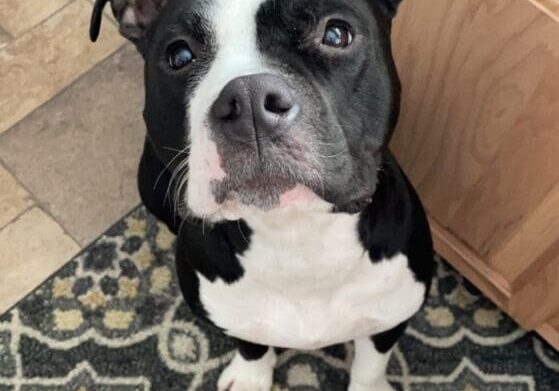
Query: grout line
(34, 198)
(81, 251)
(19, 182)
(66, 87)
(64, 229)
(17, 216)
(109, 54)
(36, 203)
(7, 34)
(40, 22)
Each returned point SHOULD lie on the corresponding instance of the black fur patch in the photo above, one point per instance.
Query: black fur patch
(251, 351)
(386, 341)
(395, 222)
(212, 252)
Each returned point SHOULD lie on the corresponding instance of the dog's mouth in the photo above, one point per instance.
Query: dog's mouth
(265, 191)
(228, 180)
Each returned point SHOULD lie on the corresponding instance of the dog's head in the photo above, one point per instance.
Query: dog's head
(263, 104)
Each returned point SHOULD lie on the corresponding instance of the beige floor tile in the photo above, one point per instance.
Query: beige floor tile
(31, 249)
(4, 38)
(36, 66)
(78, 154)
(18, 16)
(13, 198)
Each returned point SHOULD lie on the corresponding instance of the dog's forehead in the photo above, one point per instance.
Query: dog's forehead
(233, 17)
(229, 9)
(241, 13)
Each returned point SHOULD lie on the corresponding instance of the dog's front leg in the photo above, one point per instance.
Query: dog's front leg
(252, 369)
(368, 371)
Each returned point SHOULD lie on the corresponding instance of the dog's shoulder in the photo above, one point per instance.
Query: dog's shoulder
(395, 222)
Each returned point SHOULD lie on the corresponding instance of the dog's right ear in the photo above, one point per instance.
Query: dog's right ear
(133, 16)
(390, 6)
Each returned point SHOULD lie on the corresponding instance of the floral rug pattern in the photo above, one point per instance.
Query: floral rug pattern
(113, 319)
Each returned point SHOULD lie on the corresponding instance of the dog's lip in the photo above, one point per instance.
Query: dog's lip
(262, 181)
(270, 181)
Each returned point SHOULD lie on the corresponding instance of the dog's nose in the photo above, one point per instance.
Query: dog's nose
(255, 107)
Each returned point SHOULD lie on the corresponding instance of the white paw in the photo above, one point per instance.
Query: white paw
(242, 375)
(380, 386)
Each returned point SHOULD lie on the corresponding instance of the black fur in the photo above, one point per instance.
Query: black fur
(391, 6)
(251, 351)
(211, 251)
(157, 188)
(384, 342)
(394, 222)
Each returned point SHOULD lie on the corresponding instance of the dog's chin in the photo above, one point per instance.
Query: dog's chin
(251, 202)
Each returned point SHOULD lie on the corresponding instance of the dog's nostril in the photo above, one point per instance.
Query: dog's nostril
(227, 110)
(277, 104)
(234, 111)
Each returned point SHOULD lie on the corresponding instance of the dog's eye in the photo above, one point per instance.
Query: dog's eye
(179, 55)
(337, 35)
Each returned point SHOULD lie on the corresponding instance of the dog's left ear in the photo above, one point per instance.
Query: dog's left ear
(390, 6)
(133, 16)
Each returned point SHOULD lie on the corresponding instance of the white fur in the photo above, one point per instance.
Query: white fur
(234, 25)
(368, 371)
(243, 375)
(309, 283)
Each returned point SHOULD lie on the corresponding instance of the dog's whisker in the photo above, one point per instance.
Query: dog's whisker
(165, 170)
(184, 150)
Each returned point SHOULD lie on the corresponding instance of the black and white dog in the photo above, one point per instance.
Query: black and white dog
(269, 120)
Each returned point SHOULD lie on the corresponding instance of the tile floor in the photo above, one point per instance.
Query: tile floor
(70, 137)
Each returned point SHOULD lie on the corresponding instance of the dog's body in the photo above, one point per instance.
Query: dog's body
(298, 229)
(306, 280)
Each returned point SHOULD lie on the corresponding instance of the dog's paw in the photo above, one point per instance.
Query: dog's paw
(380, 386)
(243, 375)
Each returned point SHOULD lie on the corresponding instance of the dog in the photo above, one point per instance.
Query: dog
(266, 152)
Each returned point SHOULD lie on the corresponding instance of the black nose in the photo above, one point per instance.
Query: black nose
(255, 107)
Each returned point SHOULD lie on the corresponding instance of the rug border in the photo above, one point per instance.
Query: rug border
(82, 250)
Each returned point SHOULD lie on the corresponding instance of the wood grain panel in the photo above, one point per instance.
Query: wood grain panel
(537, 302)
(491, 283)
(478, 133)
(479, 137)
(533, 245)
(550, 331)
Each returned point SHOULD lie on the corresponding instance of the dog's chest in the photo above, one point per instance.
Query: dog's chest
(310, 284)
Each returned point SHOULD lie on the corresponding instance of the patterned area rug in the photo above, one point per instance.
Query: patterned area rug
(113, 320)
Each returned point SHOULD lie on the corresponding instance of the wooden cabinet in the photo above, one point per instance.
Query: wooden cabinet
(479, 137)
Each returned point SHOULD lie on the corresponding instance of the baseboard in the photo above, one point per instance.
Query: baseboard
(487, 280)
(550, 334)
(461, 257)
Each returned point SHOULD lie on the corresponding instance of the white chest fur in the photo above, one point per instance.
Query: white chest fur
(308, 283)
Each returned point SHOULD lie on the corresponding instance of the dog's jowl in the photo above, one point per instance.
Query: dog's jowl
(268, 123)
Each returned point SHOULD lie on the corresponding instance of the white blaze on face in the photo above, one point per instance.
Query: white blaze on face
(233, 23)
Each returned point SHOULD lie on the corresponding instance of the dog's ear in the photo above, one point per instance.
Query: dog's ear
(133, 16)
(390, 6)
